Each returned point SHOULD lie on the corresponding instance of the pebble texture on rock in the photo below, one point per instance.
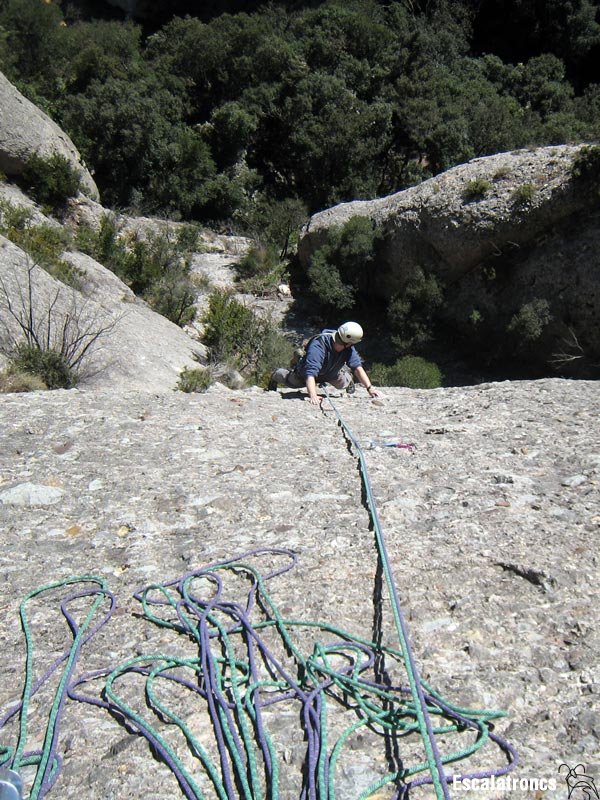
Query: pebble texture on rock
(492, 524)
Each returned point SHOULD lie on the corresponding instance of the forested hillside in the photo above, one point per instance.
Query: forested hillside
(249, 118)
(214, 118)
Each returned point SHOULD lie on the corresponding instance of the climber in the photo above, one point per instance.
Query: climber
(326, 355)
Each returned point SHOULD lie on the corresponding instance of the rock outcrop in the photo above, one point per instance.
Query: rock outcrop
(499, 232)
(139, 349)
(491, 522)
(25, 131)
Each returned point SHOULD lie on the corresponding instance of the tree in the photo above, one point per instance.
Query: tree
(321, 142)
(133, 135)
(33, 36)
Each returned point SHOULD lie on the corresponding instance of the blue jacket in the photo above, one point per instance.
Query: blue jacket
(321, 360)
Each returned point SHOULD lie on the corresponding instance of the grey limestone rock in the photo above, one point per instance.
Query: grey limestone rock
(25, 131)
(494, 255)
(500, 595)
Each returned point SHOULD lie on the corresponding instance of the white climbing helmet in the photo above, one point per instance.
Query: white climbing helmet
(349, 333)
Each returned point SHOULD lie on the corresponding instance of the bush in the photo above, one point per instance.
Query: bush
(326, 284)
(260, 270)
(13, 380)
(524, 194)
(586, 164)
(43, 243)
(411, 371)
(156, 268)
(586, 169)
(53, 338)
(343, 265)
(411, 314)
(52, 180)
(277, 223)
(529, 322)
(476, 189)
(194, 380)
(240, 338)
(50, 366)
(228, 328)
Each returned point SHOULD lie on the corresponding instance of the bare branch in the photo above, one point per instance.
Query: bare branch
(59, 324)
(572, 351)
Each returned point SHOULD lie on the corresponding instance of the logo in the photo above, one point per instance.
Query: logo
(581, 786)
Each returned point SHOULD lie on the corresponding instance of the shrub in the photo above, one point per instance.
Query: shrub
(411, 371)
(501, 173)
(411, 314)
(276, 222)
(13, 380)
(586, 169)
(53, 338)
(50, 366)
(529, 322)
(43, 243)
(228, 327)
(52, 180)
(476, 189)
(274, 351)
(13, 218)
(326, 284)
(260, 270)
(194, 380)
(156, 268)
(342, 266)
(586, 164)
(523, 194)
(242, 339)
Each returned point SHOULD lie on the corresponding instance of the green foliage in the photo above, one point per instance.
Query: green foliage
(194, 380)
(157, 268)
(524, 194)
(53, 337)
(49, 365)
(203, 118)
(132, 132)
(276, 222)
(260, 271)
(240, 338)
(99, 50)
(51, 181)
(228, 328)
(586, 164)
(586, 169)
(528, 324)
(412, 313)
(343, 265)
(232, 128)
(411, 371)
(43, 243)
(32, 36)
(326, 284)
(477, 189)
(14, 219)
(13, 380)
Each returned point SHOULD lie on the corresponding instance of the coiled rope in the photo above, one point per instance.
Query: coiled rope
(246, 664)
(47, 761)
